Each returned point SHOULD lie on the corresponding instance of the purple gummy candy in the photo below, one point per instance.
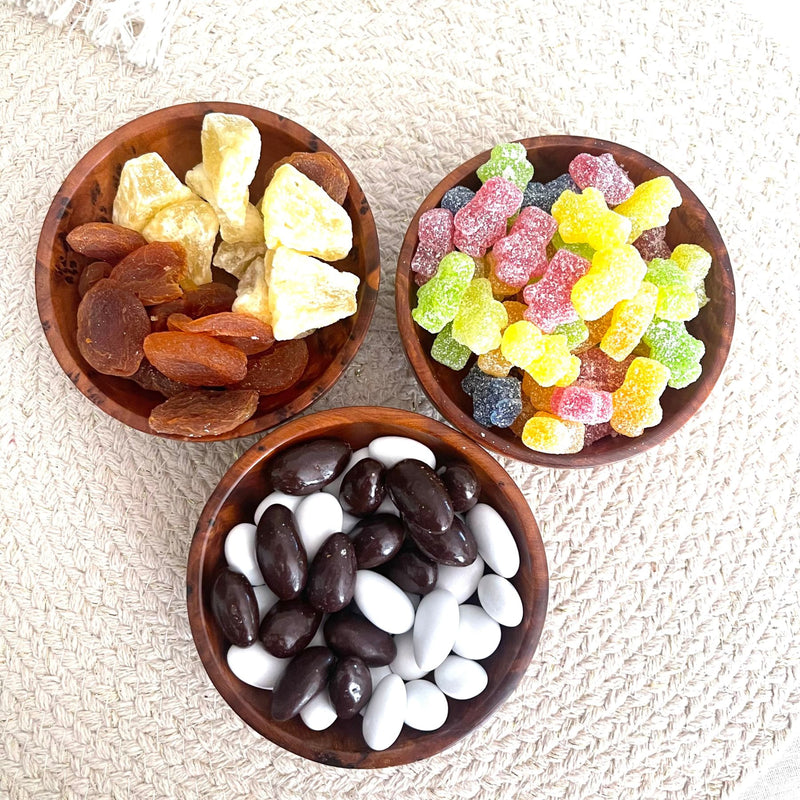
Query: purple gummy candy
(497, 402)
(601, 371)
(522, 254)
(593, 433)
(652, 244)
(603, 173)
(550, 301)
(456, 198)
(483, 220)
(543, 195)
(435, 234)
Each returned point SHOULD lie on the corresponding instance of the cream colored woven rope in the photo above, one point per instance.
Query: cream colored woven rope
(669, 663)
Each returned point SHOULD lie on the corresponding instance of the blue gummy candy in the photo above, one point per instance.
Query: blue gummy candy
(474, 379)
(543, 195)
(497, 402)
(456, 198)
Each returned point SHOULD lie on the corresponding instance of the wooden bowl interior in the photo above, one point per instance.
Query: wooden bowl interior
(88, 195)
(689, 223)
(235, 500)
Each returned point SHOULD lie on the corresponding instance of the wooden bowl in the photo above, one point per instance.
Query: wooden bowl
(690, 223)
(235, 500)
(88, 195)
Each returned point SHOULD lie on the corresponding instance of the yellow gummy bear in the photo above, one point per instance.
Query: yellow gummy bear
(521, 343)
(480, 320)
(694, 261)
(554, 362)
(494, 363)
(649, 205)
(547, 433)
(585, 218)
(571, 374)
(252, 292)
(193, 224)
(236, 258)
(636, 405)
(306, 294)
(146, 185)
(615, 275)
(629, 321)
(300, 215)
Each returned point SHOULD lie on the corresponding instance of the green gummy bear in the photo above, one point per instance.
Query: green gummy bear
(576, 332)
(509, 161)
(446, 350)
(582, 250)
(694, 261)
(677, 299)
(438, 300)
(480, 319)
(674, 347)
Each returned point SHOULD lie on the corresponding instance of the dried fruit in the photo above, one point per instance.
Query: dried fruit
(104, 241)
(252, 293)
(153, 272)
(210, 298)
(250, 335)
(277, 370)
(236, 258)
(204, 413)
(148, 377)
(112, 326)
(195, 359)
(323, 168)
(163, 311)
(91, 274)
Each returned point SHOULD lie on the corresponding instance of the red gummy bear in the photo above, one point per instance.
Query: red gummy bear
(652, 244)
(522, 254)
(435, 234)
(582, 404)
(483, 220)
(601, 371)
(603, 173)
(549, 301)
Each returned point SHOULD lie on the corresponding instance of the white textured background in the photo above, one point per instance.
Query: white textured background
(670, 662)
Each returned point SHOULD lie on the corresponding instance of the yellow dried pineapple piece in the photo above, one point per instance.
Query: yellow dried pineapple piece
(252, 293)
(193, 224)
(236, 257)
(300, 215)
(306, 294)
(146, 185)
(231, 146)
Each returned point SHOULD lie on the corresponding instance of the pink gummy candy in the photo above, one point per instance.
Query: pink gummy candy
(602, 372)
(522, 254)
(483, 220)
(603, 173)
(435, 234)
(651, 244)
(582, 404)
(549, 301)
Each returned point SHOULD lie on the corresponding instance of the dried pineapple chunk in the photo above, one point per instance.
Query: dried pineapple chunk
(306, 294)
(252, 293)
(146, 185)
(300, 215)
(231, 147)
(193, 224)
(236, 258)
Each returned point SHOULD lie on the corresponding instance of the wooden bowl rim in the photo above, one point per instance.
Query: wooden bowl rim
(487, 437)
(92, 159)
(199, 619)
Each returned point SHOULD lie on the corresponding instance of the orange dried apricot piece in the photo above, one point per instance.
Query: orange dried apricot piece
(249, 334)
(323, 168)
(195, 359)
(210, 298)
(204, 412)
(160, 314)
(104, 241)
(278, 370)
(153, 272)
(91, 274)
(148, 377)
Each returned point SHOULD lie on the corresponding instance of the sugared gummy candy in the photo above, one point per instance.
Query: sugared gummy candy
(494, 363)
(675, 348)
(636, 405)
(586, 218)
(509, 161)
(543, 195)
(576, 332)
(616, 274)
(652, 244)
(581, 404)
(629, 321)
(550, 300)
(546, 433)
(438, 300)
(650, 204)
(482, 221)
(435, 234)
(601, 172)
(480, 318)
(495, 401)
(446, 350)
(677, 300)
(693, 260)
(456, 198)
(583, 250)
(602, 372)
(523, 253)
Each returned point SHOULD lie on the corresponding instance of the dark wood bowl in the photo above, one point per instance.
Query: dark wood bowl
(235, 500)
(689, 223)
(88, 195)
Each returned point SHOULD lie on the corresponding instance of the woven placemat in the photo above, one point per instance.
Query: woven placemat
(669, 663)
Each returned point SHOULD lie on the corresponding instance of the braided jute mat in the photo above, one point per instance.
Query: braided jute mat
(670, 662)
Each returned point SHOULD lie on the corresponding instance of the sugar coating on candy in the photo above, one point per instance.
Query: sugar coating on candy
(571, 372)
(474, 380)
(543, 195)
(583, 250)
(497, 401)
(435, 234)
(500, 289)
(673, 346)
(509, 161)
(446, 350)
(438, 300)
(601, 371)
(523, 253)
(539, 396)
(585, 218)
(550, 300)
(546, 433)
(629, 321)
(480, 319)
(582, 404)
(652, 244)
(576, 332)
(601, 172)
(694, 261)
(482, 221)
(518, 425)
(615, 275)
(494, 363)
(456, 198)
(521, 343)
(597, 329)
(649, 205)
(636, 405)
(593, 433)
(553, 361)
(677, 300)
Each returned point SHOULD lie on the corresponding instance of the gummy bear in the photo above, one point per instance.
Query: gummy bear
(480, 318)
(456, 198)
(494, 363)
(435, 233)
(636, 405)
(629, 321)
(652, 244)
(543, 195)
(583, 250)
(474, 380)
(518, 425)
(582, 404)
(601, 371)
(675, 348)
(545, 357)
(593, 433)
(649, 205)
(482, 221)
(550, 301)
(500, 289)
(602, 172)
(509, 161)
(446, 350)
(597, 329)
(585, 218)
(576, 332)
(521, 343)
(677, 300)
(438, 300)
(539, 396)
(546, 433)
(693, 260)
(523, 253)
(571, 372)
(616, 274)
(497, 401)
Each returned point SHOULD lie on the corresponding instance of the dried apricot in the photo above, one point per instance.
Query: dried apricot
(104, 241)
(153, 272)
(277, 370)
(162, 312)
(112, 326)
(249, 334)
(323, 168)
(195, 359)
(91, 274)
(211, 298)
(204, 413)
(148, 377)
